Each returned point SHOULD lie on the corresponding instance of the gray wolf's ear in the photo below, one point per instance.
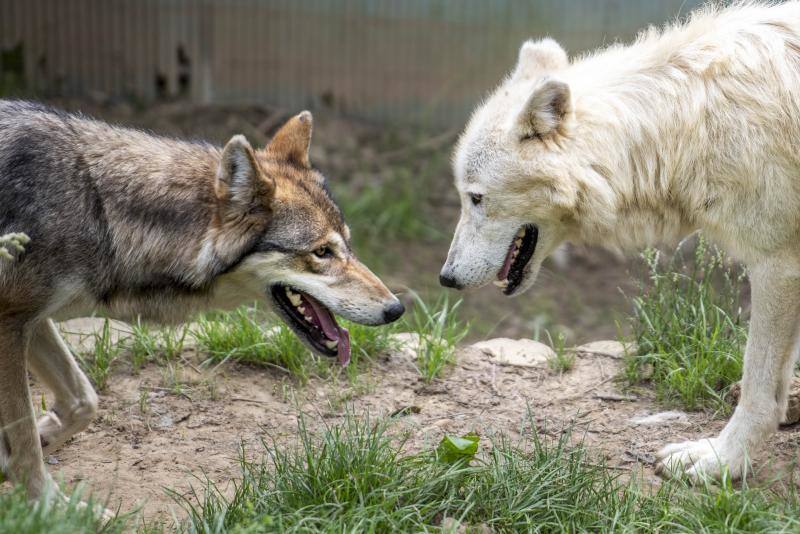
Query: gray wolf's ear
(239, 176)
(540, 57)
(546, 109)
(292, 141)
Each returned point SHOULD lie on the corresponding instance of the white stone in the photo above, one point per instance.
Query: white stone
(516, 352)
(610, 348)
(661, 418)
(408, 344)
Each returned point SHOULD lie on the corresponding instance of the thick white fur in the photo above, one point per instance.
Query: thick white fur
(693, 127)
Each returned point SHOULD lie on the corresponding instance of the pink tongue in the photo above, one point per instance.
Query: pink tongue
(503, 274)
(333, 331)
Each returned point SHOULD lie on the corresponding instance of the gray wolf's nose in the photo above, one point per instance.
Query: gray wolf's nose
(448, 281)
(392, 312)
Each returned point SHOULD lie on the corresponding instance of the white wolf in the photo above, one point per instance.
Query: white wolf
(693, 127)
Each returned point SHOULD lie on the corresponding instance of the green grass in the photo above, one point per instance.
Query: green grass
(563, 359)
(97, 362)
(358, 477)
(50, 516)
(245, 335)
(160, 345)
(688, 327)
(439, 331)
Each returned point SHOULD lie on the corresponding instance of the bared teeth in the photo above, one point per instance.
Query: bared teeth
(501, 283)
(295, 299)
(332, 344)
(301, 309)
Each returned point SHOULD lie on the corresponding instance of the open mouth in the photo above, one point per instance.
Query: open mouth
(313, 321)
(519, 255)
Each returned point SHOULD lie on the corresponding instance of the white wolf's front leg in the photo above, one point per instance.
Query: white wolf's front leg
(768, 366)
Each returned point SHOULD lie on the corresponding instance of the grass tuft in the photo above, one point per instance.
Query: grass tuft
(244, 335)
(439, 331)
(688, 327)
(563, 359)
(162, 345)
(97, 362)
(357, 477)
(53, 516)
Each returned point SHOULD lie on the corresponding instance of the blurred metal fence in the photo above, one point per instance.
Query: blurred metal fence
(426, 61)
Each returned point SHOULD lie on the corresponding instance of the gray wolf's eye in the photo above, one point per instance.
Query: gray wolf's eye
(323, 252)
(476, 198)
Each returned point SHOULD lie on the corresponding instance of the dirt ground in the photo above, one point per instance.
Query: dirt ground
(148, 438)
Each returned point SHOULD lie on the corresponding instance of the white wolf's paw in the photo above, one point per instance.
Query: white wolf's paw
(704, 459)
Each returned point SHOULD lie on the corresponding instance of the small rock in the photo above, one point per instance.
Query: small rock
(52, 460)
(165, 421)
(660, 418)
(408, 344)
(516, 352)
(610, 348)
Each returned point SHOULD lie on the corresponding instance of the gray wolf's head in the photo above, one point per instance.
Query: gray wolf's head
(301, 257)
(518, 197)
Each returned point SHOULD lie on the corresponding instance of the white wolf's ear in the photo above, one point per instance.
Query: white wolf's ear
(239, 176)
(539, 57)
(546, 109)
(292, 142)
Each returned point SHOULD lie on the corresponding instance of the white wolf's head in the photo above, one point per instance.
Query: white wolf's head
(518, 195)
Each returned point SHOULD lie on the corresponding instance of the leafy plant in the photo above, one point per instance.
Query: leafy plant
(454, 449)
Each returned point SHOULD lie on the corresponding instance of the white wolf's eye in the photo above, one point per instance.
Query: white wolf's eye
(476, 198)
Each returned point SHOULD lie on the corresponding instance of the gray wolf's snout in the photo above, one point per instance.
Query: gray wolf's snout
(393, 311)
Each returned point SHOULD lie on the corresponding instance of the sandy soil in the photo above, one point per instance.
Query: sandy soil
(148, 438)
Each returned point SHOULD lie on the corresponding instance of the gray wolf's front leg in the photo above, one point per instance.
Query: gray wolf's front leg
(75, 403)
(768, 366)
(11, 244)
(20, 451)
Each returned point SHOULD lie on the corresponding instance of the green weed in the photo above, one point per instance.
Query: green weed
(97, 363)
(688, 327)
(242, 336)
(563, 359)
(357, 477)
(162, 345)
(52, 516)
(246, 336)
(439, 330)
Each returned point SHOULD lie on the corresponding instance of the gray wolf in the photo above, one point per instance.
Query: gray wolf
(696, 126)
(129, 224)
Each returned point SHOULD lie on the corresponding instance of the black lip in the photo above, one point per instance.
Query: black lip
(313, 336)
(516, 273)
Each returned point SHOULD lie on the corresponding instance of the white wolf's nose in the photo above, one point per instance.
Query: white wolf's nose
(448, 280)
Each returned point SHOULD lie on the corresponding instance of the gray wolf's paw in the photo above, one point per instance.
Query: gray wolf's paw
(704, 459)
(12, 245)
